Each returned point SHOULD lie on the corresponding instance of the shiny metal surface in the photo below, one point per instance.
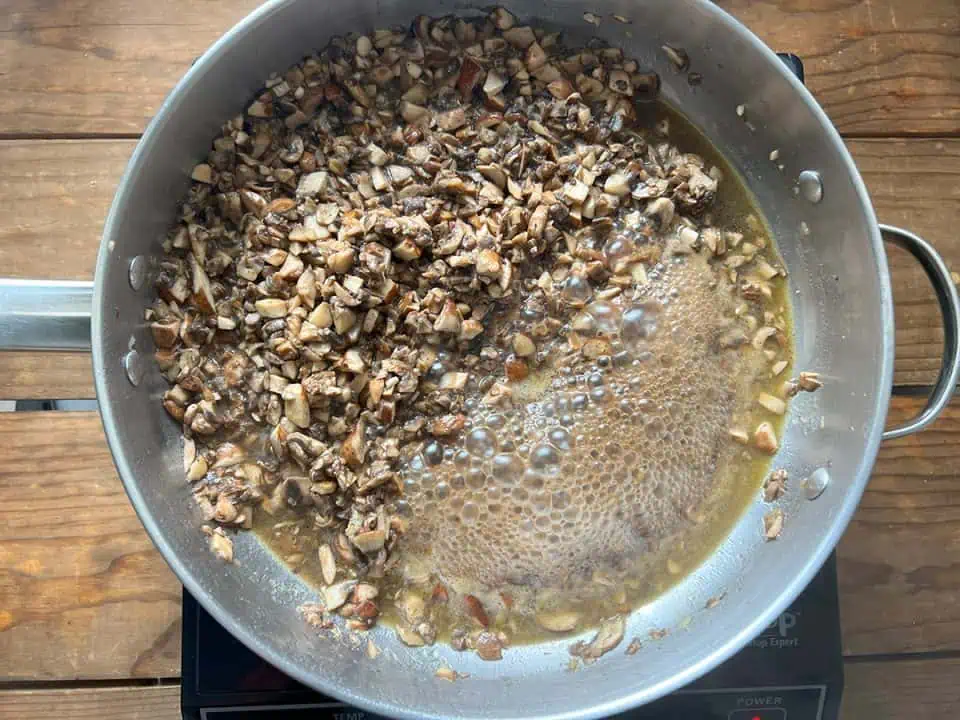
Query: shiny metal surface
(939, 274)
(45, 315)
(844, 328)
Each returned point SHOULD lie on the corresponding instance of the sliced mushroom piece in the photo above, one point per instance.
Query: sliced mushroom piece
(678, 56)
(470, 329)
(166, 333)
(370, 541)
(765, 438)
(809, 381)
(558, 621)
(412, 607)
(607, 638)
(271, 307)
(410, 637)
(203, 173)
(775, 485)
(328, 564)
(772, 403)
(202, 293)
(536, 57)
(446, 673)
(291, 269)
(619, 82)
(561, 88)
(576, 192)
(221, 546)
(523, 346)
(617, 184)
(494, 83)
(452, 119)
(495, 174)
(520, 37)
(773, 524)
(198, 469)
(313, 184)
(334, 596)
(488, 262)
(488, 646)
(449, 319)
(470, 74)
(502, 19)
(663, 209)
(225, 510)
(354, 447)
(296, 407)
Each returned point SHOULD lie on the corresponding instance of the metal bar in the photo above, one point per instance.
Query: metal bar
(45, 315)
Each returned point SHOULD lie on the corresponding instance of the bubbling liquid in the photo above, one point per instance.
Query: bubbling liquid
(602, 465)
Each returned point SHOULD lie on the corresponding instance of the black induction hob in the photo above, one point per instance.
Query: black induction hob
(792, 671)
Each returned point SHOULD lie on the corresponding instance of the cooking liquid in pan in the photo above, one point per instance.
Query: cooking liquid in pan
(606, 482)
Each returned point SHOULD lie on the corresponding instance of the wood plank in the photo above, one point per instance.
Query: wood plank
(83, 592)
(901, 689)
(892, 690)
(56, 195)
(100, 67)
(880, 67)
(45, 376)
(877, 66)
(899, 561)
(915, 184)
(109, 703)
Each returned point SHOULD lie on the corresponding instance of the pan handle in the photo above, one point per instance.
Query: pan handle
(55, 315)
(45, 314)
(939, 276)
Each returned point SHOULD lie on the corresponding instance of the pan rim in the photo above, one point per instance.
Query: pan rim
(715, 656)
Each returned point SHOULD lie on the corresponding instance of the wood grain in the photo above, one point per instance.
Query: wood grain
(104, 66)
(899, 561)
(94, 66)
(83, 592)
(915, 184)
(891, 690)
(45, 376)
(881, 67)
(58, 194)
(160, 702)
(901, 689)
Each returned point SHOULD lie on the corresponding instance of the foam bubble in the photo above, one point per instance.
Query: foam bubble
(604, 462)
(639, 325)
(606, 315)
(618, 248)
(577, 289)
(481, 442)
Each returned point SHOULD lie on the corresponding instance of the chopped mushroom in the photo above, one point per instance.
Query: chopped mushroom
(607, 638)
(773, 524)
(221, 546)
(406, 230)
(765, 438)
(558, 621)
(772, 403)
(775, 485)
(809, 381)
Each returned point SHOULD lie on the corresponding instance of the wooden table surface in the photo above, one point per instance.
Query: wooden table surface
(89, 612)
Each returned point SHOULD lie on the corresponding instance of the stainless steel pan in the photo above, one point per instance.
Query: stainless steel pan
(830, 242)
